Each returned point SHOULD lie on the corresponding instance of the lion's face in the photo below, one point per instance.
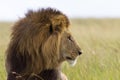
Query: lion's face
(69, 50)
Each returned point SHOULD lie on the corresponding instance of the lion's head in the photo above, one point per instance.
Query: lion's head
(41, 41)
(69, 49)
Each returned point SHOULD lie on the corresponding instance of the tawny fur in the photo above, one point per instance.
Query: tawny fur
(34, 45)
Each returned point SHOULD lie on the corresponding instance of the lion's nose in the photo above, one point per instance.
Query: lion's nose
(79, 52)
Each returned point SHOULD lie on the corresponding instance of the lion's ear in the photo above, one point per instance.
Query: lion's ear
(56, 28)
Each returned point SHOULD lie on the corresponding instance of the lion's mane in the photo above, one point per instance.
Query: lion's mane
(35, 40)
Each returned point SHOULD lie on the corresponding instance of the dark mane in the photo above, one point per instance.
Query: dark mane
(34, 44)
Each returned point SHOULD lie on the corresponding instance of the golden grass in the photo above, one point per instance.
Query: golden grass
(4, 39)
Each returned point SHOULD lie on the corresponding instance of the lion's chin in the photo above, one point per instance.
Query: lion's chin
(72, 62)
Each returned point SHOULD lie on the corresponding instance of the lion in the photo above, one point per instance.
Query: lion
(40, 43)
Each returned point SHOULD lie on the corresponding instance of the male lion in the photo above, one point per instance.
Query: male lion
(39, 44)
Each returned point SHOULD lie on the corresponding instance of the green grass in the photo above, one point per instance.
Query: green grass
(100, 41)
(4, 39)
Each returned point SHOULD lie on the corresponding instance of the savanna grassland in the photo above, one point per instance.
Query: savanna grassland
(99, 40)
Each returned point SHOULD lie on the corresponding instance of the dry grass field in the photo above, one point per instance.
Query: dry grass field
(98, 38)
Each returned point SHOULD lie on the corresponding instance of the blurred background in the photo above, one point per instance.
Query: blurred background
(13, 9)
(95, 24)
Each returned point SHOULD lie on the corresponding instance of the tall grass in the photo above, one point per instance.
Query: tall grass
(100, 41)
(4, 39)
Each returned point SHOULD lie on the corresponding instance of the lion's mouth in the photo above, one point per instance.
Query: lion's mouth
(71, 61)
(69, 58)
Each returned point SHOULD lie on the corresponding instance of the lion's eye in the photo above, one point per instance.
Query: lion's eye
(69, 38)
